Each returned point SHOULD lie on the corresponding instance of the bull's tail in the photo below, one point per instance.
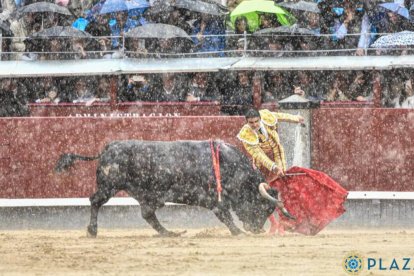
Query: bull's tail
(66, 161)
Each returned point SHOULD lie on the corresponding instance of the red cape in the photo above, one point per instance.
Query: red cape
(314, 199)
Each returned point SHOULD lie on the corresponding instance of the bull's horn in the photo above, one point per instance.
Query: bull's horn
(279, 203)
(265, 194)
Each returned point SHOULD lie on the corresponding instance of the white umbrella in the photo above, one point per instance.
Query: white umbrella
(404, 38)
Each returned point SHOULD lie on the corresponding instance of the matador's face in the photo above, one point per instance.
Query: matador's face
(254, 123)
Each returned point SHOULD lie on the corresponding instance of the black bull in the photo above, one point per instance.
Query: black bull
(180, 172)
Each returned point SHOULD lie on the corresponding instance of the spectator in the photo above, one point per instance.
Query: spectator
(83, 93)
(309, 44)
(393, 85)
(103, 90)
(338, 89)
(305, 85)
(277, 86)
(208, 34)
(78, 48)
(277, 46)
(237, 98)
(135, 47)
(386, 21)
(268, 20)
(55, 49)
(236, 42)
(172, 89)
(179, 18)
(312, 22)
(13, 98)
(121, 24)
(98, 26)
(354, 21)
(51, 97)
(202, 88)
(39, 88)
(360, 90)
(138, 89)
(403, 95)
(408, 96)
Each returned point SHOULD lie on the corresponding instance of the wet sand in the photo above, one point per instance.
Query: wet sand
(210, 251)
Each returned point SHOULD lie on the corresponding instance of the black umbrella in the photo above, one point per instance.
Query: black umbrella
(42, 7)
(161, 31)
(65, 35)
(201, 6)
(301, 5)
(60, 31)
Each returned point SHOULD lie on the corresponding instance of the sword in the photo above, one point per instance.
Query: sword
(294, 174)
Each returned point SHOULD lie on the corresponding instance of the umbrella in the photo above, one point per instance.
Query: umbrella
(110, 6)
(312, 197)
(301, 5)
(42, 7)
(397, 8)
(60, 31)
(162, 31)
(5, 26)
(250, 9)
(206, 6)
(294, 29)
(404, 38)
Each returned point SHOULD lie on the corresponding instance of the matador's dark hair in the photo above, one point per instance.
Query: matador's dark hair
(251, 113)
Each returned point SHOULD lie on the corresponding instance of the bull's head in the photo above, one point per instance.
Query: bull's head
(253, 208)
(258, 206)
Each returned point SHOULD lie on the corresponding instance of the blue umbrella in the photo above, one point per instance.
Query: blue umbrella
(396, 8)
(111, 6)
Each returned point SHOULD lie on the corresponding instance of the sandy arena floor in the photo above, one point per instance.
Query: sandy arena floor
(198, 252)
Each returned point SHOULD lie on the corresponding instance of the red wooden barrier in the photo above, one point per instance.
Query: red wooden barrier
(30, 148)
(365, 149)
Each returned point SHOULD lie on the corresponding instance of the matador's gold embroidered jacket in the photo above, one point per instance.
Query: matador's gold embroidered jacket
(257, 144)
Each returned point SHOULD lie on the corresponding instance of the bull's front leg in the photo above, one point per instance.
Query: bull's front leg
(225, 217)
(148, 213)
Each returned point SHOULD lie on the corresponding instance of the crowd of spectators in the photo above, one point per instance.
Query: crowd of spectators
(233, 91)
(332, 30)
(340, 27)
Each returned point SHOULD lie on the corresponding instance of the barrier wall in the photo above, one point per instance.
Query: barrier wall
(30, 148)
(365, 149)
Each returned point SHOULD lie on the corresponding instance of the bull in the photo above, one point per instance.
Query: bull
(154, 173)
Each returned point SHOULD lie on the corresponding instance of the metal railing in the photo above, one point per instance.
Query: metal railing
(240, 45)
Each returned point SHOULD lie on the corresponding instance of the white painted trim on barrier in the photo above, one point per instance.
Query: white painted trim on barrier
(50, 202)
(128, 201)
(381, 195)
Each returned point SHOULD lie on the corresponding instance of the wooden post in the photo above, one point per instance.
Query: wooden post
(257, 90)
(113, 91)
(376, 87)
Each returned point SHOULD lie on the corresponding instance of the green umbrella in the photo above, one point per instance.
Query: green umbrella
(251, 9)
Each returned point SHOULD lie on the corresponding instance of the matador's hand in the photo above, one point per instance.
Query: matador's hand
(278, 171)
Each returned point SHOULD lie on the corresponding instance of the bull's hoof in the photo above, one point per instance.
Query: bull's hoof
(170, 234)
(237, 232)
(91, 232)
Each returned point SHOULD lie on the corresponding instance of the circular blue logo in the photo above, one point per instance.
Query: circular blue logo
(353, 263)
